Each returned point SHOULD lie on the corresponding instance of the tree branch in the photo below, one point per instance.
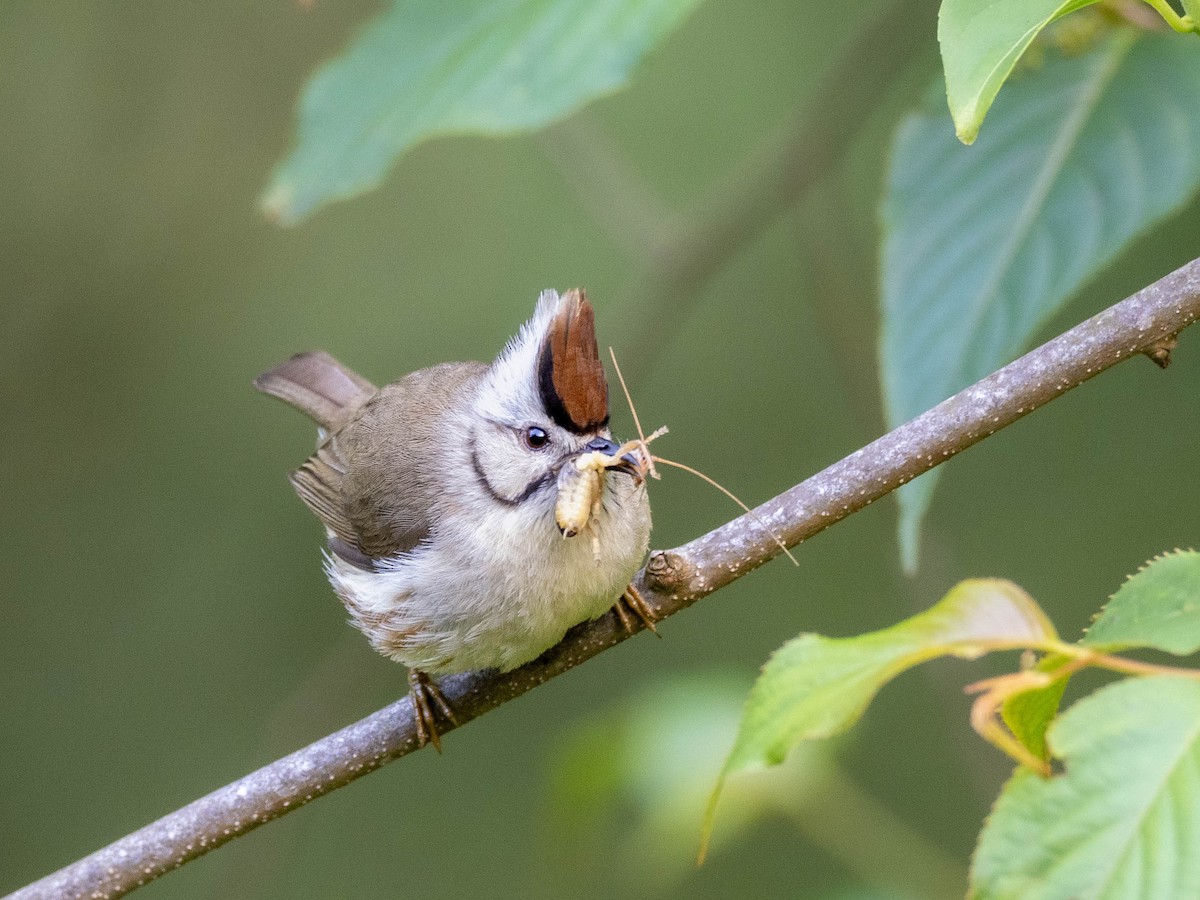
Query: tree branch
(1145, 323)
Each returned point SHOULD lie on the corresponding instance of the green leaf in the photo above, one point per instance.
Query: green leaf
(1121, 823)
(814, 686)
(1157, 607)
(1029, 713)
(424, 68)
(983, 244)
(981, 43)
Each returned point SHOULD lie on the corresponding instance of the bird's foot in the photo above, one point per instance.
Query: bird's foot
(632, 603)
(425, 696)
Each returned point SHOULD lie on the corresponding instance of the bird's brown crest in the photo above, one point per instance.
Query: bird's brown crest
(570, 374)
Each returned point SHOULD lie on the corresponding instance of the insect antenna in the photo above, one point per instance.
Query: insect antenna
(641, 445)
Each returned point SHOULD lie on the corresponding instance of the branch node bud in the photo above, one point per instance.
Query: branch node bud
(1160, 351)
(665, 569)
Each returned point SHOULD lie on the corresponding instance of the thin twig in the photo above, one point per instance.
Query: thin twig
(671, 581)
(606, 183)
(774, 177)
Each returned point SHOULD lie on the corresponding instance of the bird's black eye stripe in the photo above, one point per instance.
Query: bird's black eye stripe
(536, 438)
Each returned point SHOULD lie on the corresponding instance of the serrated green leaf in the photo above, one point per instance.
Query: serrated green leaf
(981, 43)
(1029, 713)
(1157, 607)
(983, 244)
(421, 69)
(814, 686)
(1122, 822)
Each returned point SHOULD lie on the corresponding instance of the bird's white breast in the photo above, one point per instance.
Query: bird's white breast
(497, 586)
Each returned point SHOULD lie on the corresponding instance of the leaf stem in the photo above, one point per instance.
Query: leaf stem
(1136, 667)
(1182, 24)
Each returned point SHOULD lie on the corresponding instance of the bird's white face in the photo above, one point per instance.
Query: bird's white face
(516, 461)
(523, 429)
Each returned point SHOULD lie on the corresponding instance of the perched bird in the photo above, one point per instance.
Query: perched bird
(438, 495)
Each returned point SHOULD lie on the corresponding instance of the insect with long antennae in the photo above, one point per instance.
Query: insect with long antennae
(581, 481)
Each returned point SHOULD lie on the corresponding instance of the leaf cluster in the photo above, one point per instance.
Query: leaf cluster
(1106, 793)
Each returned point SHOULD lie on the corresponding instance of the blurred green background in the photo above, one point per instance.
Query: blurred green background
(166, 626)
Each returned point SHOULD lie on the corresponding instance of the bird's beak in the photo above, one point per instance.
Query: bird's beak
(629, 462)
(631, 465)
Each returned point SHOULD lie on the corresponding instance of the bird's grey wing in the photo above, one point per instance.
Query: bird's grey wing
(320, 483)
(379, 513)
(394, 451)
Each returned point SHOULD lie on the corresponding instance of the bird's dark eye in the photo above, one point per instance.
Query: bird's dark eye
(536, 438)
